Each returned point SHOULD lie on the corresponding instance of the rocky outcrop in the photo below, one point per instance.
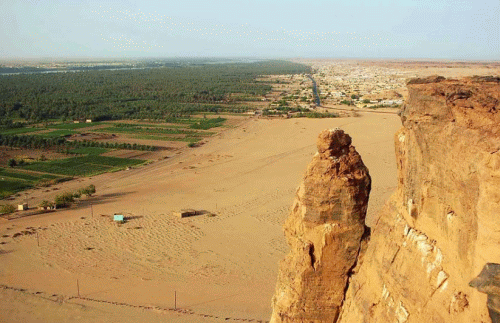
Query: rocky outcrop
(324, 231)
(442, 226)
(435, 235)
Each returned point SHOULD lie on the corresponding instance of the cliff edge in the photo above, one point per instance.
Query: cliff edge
(441, 227)
(433, 237)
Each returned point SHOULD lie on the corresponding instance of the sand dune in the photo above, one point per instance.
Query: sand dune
(223, 265)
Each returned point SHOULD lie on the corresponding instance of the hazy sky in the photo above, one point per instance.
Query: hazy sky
(446, 29)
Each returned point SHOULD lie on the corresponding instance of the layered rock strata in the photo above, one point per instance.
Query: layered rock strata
(325, 231)
(442, 225)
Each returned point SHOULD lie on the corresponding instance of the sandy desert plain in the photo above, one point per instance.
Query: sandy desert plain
(211, 268)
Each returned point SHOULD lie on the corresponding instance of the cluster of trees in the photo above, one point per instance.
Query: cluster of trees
(112, 145)
(30, 142)
(289, 109)
(144, 93)
(12, 162)
(65, 199)
(38, 142)
(9, 124)
(283, 110)
(316, 115)
(378, 106)
(346, 102)
(303, 113)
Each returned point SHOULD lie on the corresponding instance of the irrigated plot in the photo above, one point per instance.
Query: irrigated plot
(13, 181)
(18, 131)
(10, 186)
(89, 150)
(57, 133)
(73, 126)
(166, 133)
(33, 177)
(83, 166)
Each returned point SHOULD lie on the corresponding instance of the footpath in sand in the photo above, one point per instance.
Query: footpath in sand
(220, 267)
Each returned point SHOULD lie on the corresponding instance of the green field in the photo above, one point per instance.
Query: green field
(57, 133)
(110, 161)
(208, 123)
(141, 130)
(166, 138)
(187, 121)
(83, 166)
(9, 186)
(73, 126)
(146, 125)
(89, 150)
(33, 177)
(13, 181)
(167, 133)
(67, 167)
(17, 131)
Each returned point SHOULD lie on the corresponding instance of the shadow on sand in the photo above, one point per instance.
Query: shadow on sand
(99, 199)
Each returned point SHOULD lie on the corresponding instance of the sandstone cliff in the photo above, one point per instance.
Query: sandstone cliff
(442, 225)
(324, 231)
(435, 234)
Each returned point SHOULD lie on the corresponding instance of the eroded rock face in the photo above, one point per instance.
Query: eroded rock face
(324, 230)
(442, 225)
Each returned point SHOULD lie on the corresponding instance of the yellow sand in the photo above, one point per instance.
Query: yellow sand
(221, 266)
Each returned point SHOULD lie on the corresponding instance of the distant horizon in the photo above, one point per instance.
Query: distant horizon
(117, 58)
(430, 29)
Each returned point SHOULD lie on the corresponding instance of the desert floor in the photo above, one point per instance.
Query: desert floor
(220, 267)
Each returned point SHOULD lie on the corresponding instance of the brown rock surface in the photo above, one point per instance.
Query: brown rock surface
(324, 231)
(441, 226)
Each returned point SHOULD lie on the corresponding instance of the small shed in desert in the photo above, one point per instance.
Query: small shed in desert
(118, 218)
(185, 213)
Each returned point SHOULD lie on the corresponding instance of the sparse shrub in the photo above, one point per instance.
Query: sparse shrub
(192, 145)
(89, 190)
(44, 183)
(346, 102)
(7, 208)
(64, 199)
(49, 182)
(12, 162)
(46, 204)
(67, 198)
(316, 115)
